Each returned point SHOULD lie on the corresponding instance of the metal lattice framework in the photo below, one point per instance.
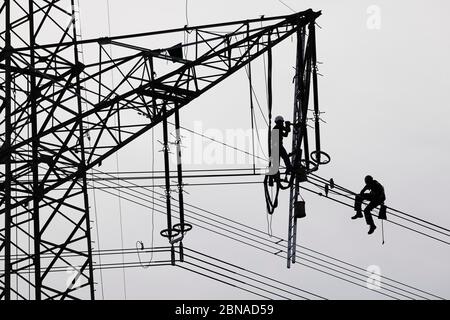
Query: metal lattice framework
(59, 118)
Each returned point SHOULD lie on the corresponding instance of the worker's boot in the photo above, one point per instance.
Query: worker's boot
(372, 228)
(357, 215)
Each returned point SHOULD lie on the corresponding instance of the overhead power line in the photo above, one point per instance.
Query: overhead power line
(349, 192)
(223, 227)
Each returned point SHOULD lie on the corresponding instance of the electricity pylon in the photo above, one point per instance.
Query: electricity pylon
(60, 118)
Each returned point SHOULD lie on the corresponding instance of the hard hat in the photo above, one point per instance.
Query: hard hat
(279, 118)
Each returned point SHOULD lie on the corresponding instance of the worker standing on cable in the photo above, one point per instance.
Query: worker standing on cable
(284, 127)
(375, 197)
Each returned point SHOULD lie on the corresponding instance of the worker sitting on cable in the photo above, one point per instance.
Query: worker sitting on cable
(283, 131)
(375, 197)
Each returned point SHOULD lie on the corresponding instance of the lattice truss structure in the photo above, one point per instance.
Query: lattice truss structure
(60, 116)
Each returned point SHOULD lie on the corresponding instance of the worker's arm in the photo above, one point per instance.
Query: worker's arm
(364, 189)
(286, 129)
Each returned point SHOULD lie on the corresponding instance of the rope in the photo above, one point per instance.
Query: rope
(251, 110)
(254, 120)
(186, 33)
(116, 121)
(140, 244)
(287, 6)
(187, 13)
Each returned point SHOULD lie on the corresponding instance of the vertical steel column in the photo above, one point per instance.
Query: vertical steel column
(252, 111)
(7, 146)
(82, 167)
(37, 192)
(312, 36)
(167, 182)
(180, 180)
(269, 90)
(296, 145)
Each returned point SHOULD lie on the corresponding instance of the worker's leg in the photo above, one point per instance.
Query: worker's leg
(285, 157)
(358, 202)
(369, 219)
(367, 215)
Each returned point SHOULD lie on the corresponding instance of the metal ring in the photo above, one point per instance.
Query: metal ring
(168, 233)
(186, 227)
(321, 153)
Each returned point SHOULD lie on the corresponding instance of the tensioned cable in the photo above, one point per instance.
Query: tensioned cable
(323, 180)
(286, 5)
(195, 224)
(251, 272)
(276, 248)
(241, 150)
(224, 144)
(306, 248)
(185, 184)
(219, 280)
(226, 267)
(395, 215)
(408, 228)
(102, 252)
(222, 217)
(167, 249)
(279, 250)
(314, 175)
(263, 249)
(265, 239)
(220, 142)
(166, 262)
(395, 223)
(240, 281)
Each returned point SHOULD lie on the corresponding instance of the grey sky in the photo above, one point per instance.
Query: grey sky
(385, 93)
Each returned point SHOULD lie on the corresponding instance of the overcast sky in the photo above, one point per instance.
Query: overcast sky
(385, 93)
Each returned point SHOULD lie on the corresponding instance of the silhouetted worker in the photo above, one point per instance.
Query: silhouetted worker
(375, 197)
(283, 132)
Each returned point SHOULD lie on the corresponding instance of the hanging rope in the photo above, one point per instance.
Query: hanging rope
(91, 171)
(252, 112)
(254, 98)
(140, 244)
(117, 162)
(286, 5)
(186, 32)
(275, 179)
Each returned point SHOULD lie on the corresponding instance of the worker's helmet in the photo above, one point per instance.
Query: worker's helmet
(368, 179)
(279, 119)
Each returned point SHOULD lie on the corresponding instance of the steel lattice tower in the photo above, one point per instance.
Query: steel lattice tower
(59, 119)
